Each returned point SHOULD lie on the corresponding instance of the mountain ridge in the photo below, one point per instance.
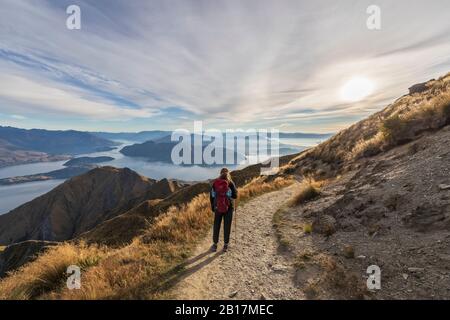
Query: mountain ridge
(80, 204)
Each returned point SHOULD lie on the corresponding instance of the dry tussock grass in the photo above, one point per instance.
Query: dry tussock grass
(367, 148)
(48, 272)
(309, 189)
(144, 269)
(423, 114)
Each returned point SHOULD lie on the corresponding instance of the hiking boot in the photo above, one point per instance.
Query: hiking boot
(225, 247)
(214, 247)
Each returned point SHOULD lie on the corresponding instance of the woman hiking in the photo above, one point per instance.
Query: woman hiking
(222, 191)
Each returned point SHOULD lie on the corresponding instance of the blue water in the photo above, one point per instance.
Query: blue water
(32, 168)
(16, 195)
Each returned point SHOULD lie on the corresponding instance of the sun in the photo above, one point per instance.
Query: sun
(356, 89)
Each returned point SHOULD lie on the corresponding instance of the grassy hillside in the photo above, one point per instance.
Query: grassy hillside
(142, 269)
(385, 203)
(400, 122)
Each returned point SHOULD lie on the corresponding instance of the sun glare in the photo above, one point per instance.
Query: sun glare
(356, 89)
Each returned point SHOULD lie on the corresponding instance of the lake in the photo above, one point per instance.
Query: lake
(16, 195)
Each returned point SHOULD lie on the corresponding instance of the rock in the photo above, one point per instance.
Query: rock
(279, 268)
(444, 186)
(418, 88)
(415, 270)
(349, 252)
(324, 224)
(233, 294)
(405, 276)
(361, 257)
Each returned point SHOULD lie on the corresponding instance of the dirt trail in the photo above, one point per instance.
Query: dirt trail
(252, 268)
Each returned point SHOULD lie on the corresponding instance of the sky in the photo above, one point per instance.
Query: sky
(163, 64)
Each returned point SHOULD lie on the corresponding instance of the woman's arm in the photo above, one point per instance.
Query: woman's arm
(211, 197)
(234, 192)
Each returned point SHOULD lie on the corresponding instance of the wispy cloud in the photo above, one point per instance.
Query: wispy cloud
(163, 63)
(18, 117)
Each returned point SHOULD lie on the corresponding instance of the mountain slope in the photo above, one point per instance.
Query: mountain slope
(392, 212)
(387, 205)
(400, 122)
(54, 142)
(141, 136)
(11, 155)
(78, 205)
(162, 151)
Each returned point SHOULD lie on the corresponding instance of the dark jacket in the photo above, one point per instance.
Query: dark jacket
(234, 195)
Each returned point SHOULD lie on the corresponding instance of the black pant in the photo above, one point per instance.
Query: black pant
(227, 218)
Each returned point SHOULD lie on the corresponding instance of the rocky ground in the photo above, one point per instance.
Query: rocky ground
(393, 212)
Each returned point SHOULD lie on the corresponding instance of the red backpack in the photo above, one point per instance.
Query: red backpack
(222, 202)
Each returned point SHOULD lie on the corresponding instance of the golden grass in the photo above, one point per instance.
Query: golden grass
(48, 272)
(427, 115)
(309, 190)
(367, 148)
(418, 116)
(144, 269)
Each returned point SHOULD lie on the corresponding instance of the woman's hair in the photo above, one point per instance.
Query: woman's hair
(225, 174)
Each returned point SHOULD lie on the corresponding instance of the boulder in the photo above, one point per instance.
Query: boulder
(418, 88)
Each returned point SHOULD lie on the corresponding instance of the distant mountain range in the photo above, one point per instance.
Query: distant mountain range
(19, 146)
(55, 142)
(300, 135)
(12, 155)
(141, 136)
(162, 151)
(164, 136)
